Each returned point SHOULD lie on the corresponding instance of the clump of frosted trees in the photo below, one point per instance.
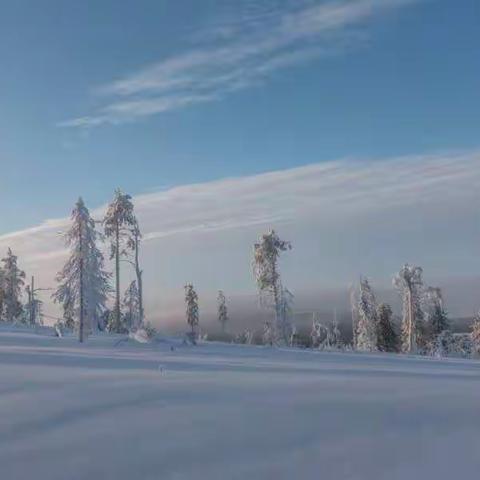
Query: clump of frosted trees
(424, 325)
(19, 302)
(84, 286)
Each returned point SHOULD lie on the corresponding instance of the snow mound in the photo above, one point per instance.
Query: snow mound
(140, 336)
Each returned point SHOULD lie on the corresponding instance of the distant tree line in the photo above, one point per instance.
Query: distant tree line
(84, 288)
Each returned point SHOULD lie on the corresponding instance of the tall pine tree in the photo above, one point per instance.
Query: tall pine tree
(409, 283)
(119, 223)
(83, 283)
(367, 318)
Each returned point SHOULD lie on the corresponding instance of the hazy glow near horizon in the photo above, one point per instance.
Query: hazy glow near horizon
(345, 218)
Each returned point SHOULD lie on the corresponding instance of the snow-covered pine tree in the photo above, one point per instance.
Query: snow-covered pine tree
(113, 324)
(222, 309)
(119, 223)
(192, 311)
(83, 283)
(409, 283)
(387, 338)
(135, 240)
(475, 335)
(2, 293)
(68, 307)
(285, 327)
(354, 311)
(367, 318)
(436, 318)
(13, 282)
(131, 305)
(267, 276)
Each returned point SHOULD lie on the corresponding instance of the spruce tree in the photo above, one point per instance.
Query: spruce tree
(387, 337)
(367, 318)
(83, 283)
(13, 282)
(119, 224)
(192, 310)
(222, 310)
(131, 305)
(409, 283)
(436, 317)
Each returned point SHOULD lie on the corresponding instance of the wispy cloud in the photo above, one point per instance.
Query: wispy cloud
(345, 217)
(236, 55)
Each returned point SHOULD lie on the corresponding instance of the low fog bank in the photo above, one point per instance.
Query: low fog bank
(245, 311)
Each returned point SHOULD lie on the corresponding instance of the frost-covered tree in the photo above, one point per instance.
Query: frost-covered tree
(335, 333)
(436, 318)
(317, 332)
(192, 311)
(113, 324)
(387, 338)
(326, 336)
(265, 267)
(13, 282)
(131, 305)
(409, 283)
(285, 310)
(83, 283)
(33, 310)
(367, 317)
(68, 307)
(135, 244)
(119, 223)
(222, 309)
(354, 311)
(475, 334)
(2, 293)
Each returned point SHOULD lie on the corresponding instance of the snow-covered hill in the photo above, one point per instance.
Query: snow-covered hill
(125, 411)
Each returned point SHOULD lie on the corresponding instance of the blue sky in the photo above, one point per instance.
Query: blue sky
(401, 77)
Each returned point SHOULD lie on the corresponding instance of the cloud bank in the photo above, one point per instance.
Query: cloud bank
(345, 218)
(237, 54)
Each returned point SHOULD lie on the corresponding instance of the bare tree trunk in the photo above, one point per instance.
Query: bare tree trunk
(139, 278)
(117, 274)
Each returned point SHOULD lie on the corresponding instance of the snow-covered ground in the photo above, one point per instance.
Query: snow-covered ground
(135, 411)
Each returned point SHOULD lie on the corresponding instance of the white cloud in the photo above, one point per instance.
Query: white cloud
(344, 217)
(236, 56)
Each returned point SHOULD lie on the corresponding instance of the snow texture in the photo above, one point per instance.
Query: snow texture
(116, 409)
